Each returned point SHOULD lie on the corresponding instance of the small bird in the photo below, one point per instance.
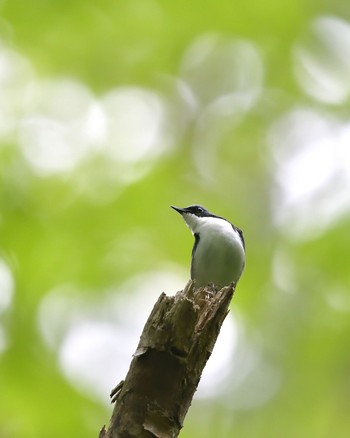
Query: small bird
(218, 254)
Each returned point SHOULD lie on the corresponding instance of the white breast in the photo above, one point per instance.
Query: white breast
(219, 257)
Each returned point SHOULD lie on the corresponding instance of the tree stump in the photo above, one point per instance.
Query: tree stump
(176, 342)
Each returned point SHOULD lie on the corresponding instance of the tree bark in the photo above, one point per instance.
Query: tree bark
(176, 343)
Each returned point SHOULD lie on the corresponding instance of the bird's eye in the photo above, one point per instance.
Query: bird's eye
(200, 210)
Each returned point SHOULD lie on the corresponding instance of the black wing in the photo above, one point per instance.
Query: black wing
(196, 241)
(240, 232)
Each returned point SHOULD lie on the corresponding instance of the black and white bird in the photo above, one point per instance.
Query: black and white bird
(218, 254)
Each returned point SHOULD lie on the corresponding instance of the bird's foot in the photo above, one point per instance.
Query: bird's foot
(211, 290)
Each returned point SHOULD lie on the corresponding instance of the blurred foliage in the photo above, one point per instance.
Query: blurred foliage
(211, 93)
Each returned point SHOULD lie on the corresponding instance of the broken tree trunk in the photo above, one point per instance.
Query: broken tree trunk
(174, 347)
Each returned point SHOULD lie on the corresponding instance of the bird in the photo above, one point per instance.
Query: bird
(218, 253)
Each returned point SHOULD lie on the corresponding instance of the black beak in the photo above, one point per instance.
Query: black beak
(179, 210)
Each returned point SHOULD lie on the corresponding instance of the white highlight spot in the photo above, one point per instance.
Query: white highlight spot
(322, 60)
(6, 286)
(312, 171)
(135, 124)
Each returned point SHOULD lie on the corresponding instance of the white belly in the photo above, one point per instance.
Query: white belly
(219, 259)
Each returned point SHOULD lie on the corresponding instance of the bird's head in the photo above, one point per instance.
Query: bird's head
(194, 215)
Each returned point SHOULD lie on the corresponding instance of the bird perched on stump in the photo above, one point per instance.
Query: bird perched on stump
(218, 254)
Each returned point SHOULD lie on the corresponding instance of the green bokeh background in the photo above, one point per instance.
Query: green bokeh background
(52, 233)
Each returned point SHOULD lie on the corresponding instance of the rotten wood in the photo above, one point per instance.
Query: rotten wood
(176, 342)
